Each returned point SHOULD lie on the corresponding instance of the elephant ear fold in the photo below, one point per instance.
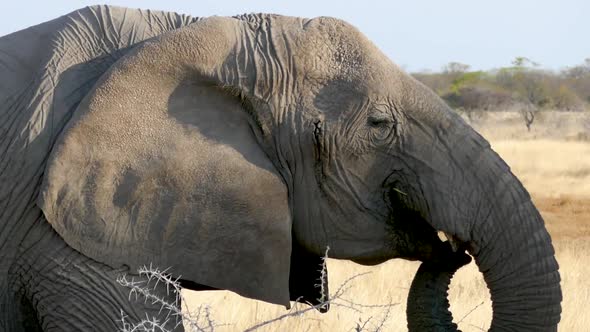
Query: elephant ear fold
(166, 170)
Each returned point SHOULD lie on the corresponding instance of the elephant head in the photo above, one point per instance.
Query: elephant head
(217, 147)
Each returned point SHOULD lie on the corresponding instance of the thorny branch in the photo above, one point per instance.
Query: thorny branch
(201, 320)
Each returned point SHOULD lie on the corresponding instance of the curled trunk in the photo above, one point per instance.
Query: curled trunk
(488, 211)
(523, 282)
(518, 262)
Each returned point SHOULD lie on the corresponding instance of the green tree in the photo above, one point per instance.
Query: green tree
(521, 84)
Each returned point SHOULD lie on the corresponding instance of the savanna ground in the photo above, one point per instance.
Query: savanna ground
(553, 162)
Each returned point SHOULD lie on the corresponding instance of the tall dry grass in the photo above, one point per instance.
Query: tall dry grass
(553, 166)
(550, 168)
(469, 297)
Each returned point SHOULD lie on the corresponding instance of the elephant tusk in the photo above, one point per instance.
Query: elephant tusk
(453, 241)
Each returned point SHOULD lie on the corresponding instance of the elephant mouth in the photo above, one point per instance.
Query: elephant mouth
(413, 237)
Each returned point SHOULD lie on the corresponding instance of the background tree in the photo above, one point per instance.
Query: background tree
(522, 86)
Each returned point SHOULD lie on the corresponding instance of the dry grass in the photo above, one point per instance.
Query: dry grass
(555, 169)
(390, 281)
(561, 126)
(549, 167)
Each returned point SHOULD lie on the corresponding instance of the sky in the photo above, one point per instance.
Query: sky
(417, 35)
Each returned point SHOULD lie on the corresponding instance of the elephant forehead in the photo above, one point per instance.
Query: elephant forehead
(330, 49)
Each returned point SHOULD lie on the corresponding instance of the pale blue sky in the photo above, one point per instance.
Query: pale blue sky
(415, 34)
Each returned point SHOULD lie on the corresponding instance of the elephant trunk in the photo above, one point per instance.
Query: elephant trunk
(428, 305)
(515, 255)
(487, 211)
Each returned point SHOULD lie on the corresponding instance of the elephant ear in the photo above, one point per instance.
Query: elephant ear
(161, 165)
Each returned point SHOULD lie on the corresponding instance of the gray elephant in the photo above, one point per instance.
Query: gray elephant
(235, 151)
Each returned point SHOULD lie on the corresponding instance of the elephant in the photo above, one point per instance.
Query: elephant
(236, 150)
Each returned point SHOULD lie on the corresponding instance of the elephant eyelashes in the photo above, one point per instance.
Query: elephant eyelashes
(381, 124)
(379, 121)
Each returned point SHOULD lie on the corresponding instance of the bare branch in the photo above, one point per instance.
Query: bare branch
(470, 311)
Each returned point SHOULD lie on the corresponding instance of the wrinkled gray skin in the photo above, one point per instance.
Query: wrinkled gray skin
(235, 151)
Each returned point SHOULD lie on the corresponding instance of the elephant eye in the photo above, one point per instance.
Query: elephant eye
(381, 124)
(380, 120)
(377, 121)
